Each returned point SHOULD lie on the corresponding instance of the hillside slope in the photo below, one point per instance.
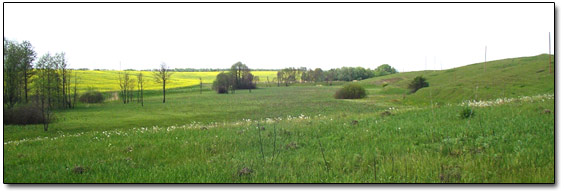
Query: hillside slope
(511, 77)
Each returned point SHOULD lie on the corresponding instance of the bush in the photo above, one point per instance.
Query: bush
(92, 97)
(351, 91)
(417, 83)
(24, 115)
(223, 82)
(467, 112)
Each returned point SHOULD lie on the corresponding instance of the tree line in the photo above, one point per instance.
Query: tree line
(48, 84)
(291, 75)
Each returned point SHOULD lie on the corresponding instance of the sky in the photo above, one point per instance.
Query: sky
(409, 37)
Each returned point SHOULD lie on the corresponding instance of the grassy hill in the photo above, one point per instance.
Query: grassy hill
(502, 78)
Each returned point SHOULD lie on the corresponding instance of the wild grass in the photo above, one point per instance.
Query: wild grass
(511, 77)
(308, 136)
(508, 143)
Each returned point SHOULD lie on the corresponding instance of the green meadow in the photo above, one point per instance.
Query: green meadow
(301, 134)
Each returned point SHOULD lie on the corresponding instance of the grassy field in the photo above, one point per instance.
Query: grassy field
(308, 137)
(108, 80)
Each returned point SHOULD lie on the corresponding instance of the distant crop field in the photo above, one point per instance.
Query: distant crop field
(108, 80)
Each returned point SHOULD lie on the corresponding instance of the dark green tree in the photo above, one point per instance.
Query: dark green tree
(417, 83)
(385, 69)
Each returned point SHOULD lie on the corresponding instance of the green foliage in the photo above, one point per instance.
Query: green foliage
(243, 78)
(350, 91)
(18, 70)
(239, 77)
(92, 97)
(418, 83)
(385, 69)
(288, 75)
(223, 82)
(467, 112)
(24, 115)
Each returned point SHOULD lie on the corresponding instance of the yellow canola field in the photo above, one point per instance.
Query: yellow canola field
(109, 80)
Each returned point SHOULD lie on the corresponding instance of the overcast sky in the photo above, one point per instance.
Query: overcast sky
(406, 36)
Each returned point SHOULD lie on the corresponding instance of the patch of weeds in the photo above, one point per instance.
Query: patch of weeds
(546, 111)
(467, 112)
(450, 174)
(292, 145)
(79, 170)
(128, 149)
(244, 172)
(211, 149)
(354, 122)
(286, 132)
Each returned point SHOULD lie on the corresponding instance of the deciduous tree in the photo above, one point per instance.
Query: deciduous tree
(162, 76)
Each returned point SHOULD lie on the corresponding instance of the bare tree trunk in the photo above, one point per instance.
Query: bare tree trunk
(64, 87)
(75, 82)
(164, 92)
(46, 125)
(141, 93)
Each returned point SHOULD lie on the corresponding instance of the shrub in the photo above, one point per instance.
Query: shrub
(466, 112)
(351, 91)
(29, 114)
(92, 97)
(223, 82)
(418, 83)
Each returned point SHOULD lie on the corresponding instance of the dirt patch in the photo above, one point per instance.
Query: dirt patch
(388, 81)
(245, 171)
(79, 170)
(114, 96)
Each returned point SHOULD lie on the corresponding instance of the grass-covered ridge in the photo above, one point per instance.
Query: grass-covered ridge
(511, 77)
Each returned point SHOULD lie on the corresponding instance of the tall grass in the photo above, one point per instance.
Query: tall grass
(403, 148)
(308, 135)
